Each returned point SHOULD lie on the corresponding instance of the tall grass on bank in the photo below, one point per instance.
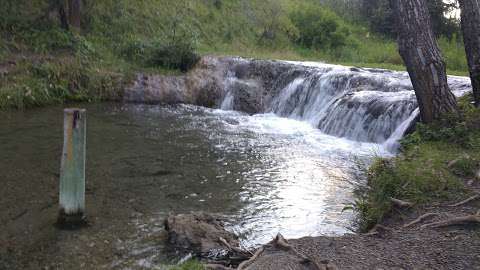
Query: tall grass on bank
(449, 154)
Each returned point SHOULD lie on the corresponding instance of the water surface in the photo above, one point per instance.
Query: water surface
(263, 173)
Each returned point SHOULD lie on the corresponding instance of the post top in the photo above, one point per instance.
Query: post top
(73, 110)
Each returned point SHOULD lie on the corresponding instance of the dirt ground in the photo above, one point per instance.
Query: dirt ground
(395, 246)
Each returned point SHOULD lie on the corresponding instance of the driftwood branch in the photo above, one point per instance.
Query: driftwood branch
(420, 219)
(376, 230)
(401, 203)
(245, 253)
(475, 197)
(470, 219)
(248, 262)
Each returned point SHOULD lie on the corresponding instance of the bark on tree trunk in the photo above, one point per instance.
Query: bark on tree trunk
(74, 13)
(420, 52)
(471, 37)
(62, 14)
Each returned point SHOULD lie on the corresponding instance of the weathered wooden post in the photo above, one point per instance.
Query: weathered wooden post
(72, 172)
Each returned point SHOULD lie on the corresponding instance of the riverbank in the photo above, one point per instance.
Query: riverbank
(396, 246)
(436, 223)
(420, 210)
(29, 80)
(123, 231)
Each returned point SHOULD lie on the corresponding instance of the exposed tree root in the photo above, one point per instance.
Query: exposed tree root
(281, 243)
(378, 229)
(400, 203)
(245, 253)
(420, 219)
(248, 262)
(466, 201)
(471, 219)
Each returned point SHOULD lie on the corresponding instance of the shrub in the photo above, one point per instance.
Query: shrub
(176, 55)
(319, 28)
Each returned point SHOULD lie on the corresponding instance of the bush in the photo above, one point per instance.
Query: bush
(177, 55)
(319, 28)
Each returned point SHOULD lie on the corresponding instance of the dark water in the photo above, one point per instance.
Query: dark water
(264, 173)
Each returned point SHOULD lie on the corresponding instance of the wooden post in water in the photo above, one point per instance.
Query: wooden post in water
(72, 172)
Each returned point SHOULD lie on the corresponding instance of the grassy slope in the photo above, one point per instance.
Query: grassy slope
(434, 166)
(49, 62)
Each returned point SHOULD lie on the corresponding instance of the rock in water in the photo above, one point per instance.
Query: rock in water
(200, 234)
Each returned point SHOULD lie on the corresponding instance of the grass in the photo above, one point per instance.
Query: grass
(373, 53)
(45, 81)
(122, 37)
(448, 153)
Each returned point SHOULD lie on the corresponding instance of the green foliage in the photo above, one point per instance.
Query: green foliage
(65, 80)
(459, 129)
(123, 36)
(453, 51)
(402, 178)
(179, 55)
(464, 166)
(319, 28)
(380, 17)
(448, 152)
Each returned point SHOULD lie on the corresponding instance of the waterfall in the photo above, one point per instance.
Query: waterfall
(365, 105)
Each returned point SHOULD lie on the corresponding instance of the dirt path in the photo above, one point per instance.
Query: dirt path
(396, 247)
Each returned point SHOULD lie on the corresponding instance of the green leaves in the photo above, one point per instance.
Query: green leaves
(319, 28)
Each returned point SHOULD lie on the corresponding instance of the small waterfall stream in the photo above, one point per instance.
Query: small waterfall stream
(286, 144)
(364, 105)
(281, 153)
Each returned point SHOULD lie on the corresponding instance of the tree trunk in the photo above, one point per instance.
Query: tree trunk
(74, 13)
(420, 52)
(471, 38)
(62, 14)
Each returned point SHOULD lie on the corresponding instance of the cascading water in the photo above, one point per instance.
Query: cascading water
(365, 105)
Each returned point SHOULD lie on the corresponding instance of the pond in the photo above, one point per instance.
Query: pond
(264, 174)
